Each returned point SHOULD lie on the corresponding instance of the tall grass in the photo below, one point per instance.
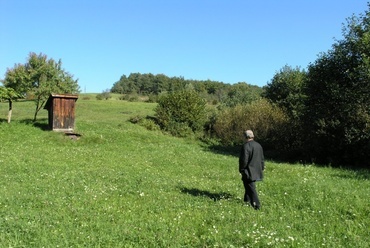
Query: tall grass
(121, 185)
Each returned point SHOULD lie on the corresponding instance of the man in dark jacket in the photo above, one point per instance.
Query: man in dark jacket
(251, 166)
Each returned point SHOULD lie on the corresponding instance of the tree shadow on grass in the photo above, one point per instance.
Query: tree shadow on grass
(290, 157)
(277, 156)
(206, 193)
(224, 150)
(40, 123)
(360, 174)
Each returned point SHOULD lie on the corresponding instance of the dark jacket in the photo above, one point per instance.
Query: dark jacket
(251, 161)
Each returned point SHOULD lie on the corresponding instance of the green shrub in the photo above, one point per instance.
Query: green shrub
(133, 98)
(129, 97)
(149, 124)
(266, 120)
(179, 129)
(152, 98)
(103, 96)
(181, 112)
(135, 119)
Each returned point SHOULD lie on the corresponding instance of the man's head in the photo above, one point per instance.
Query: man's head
(249, 134)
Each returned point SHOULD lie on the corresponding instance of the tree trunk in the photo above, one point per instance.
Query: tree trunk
(35, 115)
(10, 110)
(39, 105)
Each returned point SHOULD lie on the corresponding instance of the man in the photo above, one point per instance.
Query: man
(251, 166)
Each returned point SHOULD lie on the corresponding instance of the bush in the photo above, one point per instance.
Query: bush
(152, 98)
(266, 120)
(135, 119)
(181, 112)
(179, 129)
(147, 122)
(129, 97)
(103, 96)
(133, 98)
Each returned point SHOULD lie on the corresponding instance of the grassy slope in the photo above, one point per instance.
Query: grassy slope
(120, 185)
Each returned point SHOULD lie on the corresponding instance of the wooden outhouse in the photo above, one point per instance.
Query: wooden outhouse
(61, 110)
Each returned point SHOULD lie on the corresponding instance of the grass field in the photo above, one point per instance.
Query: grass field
(121, 185)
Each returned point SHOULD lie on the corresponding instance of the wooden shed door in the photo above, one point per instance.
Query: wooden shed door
(63, 113)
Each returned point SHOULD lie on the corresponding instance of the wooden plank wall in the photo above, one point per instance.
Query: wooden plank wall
(63, 109)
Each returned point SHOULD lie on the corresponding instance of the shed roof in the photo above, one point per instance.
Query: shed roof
(49, 101)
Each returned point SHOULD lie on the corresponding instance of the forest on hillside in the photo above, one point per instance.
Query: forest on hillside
(213, 91)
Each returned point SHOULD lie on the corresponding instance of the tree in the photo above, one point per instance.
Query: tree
(40, 76)
(337, 115)
(241, 93)
(8, 94)
(286, 90)
(17, 78)
(180, 112)
(120, 85)
(161, 82)
(15, 81)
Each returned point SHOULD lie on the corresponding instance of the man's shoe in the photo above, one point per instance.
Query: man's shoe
(255, 206)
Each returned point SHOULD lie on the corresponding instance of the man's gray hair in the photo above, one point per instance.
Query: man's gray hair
(249, 134)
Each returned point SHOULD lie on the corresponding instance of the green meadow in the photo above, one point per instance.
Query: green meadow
(121, 185)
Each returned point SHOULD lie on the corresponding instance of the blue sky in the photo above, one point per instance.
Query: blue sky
(222, 40)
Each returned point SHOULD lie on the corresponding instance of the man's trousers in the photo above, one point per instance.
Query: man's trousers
(250, 195)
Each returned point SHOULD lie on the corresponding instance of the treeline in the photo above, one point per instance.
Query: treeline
(213, 91)
(319, 115)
